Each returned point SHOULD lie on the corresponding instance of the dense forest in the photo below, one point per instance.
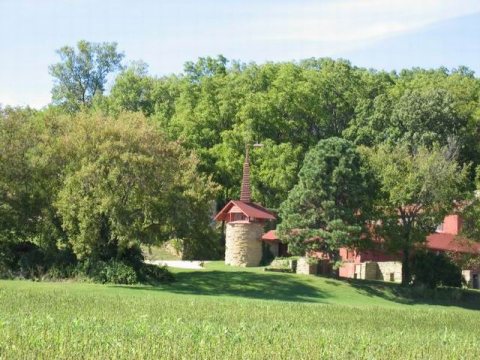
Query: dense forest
(96, 172)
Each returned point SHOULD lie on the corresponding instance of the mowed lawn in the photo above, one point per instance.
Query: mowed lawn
(231, 313)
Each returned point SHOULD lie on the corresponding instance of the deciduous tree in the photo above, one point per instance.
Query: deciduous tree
(417, 191)
(82, 74)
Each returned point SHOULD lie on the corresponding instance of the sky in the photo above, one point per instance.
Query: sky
(380, 34)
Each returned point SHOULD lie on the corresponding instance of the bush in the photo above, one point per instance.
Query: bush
(114, 272)
(435, 270)
(22, 259)
(153, 274)
(117, 272)
(56, 272)
(267, 255)
(27, 260)
(132, 256)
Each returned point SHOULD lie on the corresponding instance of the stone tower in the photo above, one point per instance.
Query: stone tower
(245, 221)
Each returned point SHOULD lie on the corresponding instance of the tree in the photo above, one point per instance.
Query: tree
(19, 197)
(132, 90)
(471, 213)
(127, 185)
(417, 190)
(82, 75)
(432, 270)
(32, 161)
(331, 203)
(418, 118)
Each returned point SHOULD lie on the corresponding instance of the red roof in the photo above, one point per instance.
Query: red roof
(251, 210)
(450, 242)
(270, 236)
(436, 241)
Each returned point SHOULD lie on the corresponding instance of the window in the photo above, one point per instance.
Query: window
(392, 277)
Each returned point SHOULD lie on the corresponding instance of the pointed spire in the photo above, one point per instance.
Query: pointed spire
(245, 194)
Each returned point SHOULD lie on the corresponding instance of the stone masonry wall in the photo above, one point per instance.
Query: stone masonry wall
(390, 271)
(382, 270)
(243, 245)
(303, 267)
(370, 270)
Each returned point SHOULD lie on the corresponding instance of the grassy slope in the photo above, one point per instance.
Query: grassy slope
(158, 253)
(230, 313)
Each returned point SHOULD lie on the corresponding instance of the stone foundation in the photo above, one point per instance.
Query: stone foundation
(390, 271)
(303, 267)
(243, 245)
(382, 270)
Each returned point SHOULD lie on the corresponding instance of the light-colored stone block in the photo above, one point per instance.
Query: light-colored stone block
(390, 271)
(243, 245)
(305, 268)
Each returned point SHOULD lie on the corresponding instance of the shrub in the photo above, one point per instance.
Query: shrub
(22, 259)
(132, 256)
(433, 270)
(56, 272)
(154, 274)
(267, 255)
(114, 272)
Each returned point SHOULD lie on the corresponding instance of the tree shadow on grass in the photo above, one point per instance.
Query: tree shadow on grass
(242, 284)
(409, 295)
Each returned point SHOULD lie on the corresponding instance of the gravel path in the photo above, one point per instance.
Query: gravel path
(195, 264)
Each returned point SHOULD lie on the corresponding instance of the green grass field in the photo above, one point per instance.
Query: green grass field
(227, 313)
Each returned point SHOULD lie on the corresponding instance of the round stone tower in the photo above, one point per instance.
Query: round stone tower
(243, 244)
(245, 221)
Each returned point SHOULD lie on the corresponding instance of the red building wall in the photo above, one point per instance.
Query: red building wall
(452, 224)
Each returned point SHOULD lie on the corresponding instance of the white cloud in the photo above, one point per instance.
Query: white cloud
(348, 24)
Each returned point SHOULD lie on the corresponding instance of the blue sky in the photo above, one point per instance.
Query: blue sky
(380, 34)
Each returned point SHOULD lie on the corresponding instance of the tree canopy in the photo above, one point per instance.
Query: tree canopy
(97, 187)
(82, 74)
(330, 205)
(72, 186)
(417, 190)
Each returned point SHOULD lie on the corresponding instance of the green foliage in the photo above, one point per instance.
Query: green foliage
(96, 187)
(216, 106)
(417, 190)
(471, 213)
(21, 259)
(154, 274)
(113, 272)
(128, 185)
(417, 118)
(53, 171)
(435, 270)
(331, 204)
(82, 74)
(133, 90)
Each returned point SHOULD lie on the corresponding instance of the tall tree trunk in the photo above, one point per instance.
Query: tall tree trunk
(406, 275)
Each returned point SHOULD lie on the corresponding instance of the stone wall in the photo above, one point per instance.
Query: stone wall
(390, 271)
(366, 271)
(303, 267)
(243, 245)
(381, 270)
